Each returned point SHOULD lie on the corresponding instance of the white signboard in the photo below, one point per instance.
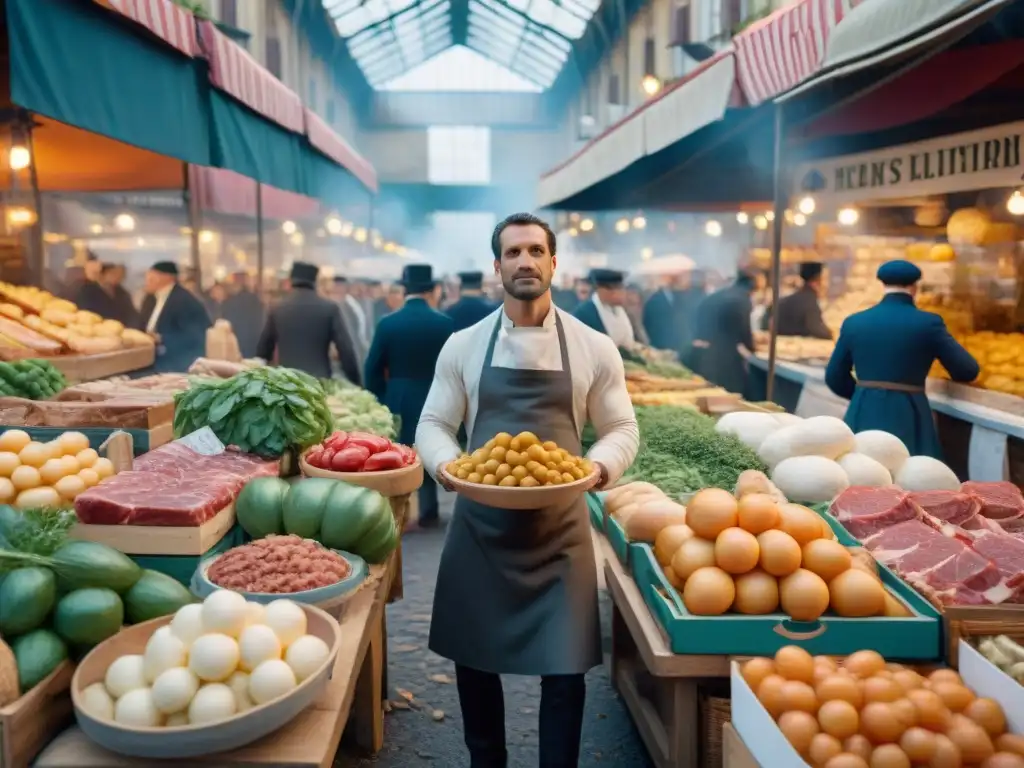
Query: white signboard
(981, 159)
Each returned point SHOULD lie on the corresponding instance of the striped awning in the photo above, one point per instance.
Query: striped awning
(237, 73)
(325, 139)
(222, 191)
(168, 21)
(780, 51)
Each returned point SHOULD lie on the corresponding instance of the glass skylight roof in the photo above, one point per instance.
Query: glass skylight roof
(460, 69)
(530, 38)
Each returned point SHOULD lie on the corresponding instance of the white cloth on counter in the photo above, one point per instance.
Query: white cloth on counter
(598, 381)
(616, 323)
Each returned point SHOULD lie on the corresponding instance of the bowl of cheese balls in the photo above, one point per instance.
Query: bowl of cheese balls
(521, 472)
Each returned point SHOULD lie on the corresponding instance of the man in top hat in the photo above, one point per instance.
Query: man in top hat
(800, 313)
(604, 310)
(723, 326)
(400, 365)
(892, 347)
(174, 317)
(471, 307)
(302, 328)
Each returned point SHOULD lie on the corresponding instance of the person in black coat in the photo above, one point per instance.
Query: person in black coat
(302, 328)
(122, 308)
(664, 314)
(723, 325)
(400, 365)
(175, 317)
(471, 307)
(245, 311)
(800, 313)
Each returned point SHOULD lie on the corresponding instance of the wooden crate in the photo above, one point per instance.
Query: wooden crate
(90, 367)
(28, 724)
(158, 539)
(143, 440)
(715, 713)
(969, 622)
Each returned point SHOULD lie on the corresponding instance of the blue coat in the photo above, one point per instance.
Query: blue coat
(401, 361)
(587, 314)
(895, 342)
(469, 310)
(182, 328)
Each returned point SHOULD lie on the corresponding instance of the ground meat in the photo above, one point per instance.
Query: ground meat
(278, 565)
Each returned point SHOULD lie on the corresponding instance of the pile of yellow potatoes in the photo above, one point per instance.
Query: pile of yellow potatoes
(1001, 357)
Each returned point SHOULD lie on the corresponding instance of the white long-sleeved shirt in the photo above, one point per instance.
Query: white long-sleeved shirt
(616, 323)
(598, 382)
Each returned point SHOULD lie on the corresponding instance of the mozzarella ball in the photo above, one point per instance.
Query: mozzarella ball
(97, 702)
(164, 651)
(136, 708)
(213, 657)
(287, 620)
(306, 655)
(174, 689)
(187, 623)
(125, 674)
(270, 680)
(211, 704)
(225, 611)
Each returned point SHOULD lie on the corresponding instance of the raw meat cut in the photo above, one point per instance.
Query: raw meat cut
(1006, 552)
(948, 506)
(865, 511)
(171, 486)
(999, 501)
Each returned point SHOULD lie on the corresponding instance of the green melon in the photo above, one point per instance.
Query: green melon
(260, 506)
(304, 506)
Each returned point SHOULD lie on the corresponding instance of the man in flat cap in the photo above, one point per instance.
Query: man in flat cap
(604, 310)
(892, 347)
(471, 307)
(302, 328)
(175, 318)
(800, 313)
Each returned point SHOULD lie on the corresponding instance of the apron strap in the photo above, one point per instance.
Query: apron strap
(489, 355)
(563, 347)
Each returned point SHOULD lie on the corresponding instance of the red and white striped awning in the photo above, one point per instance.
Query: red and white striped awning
(168, 21)
(325, 139)
(222, 191)
(236, 72)
(778, 52)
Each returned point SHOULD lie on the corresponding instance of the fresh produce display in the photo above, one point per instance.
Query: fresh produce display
(278, 565)
(1001, 357)
(863, 713)
(797, 349)
(334, 513)
(265, 411)
(66, 602)
(356, 410)
(680, 452)
(523, 461)
(751, 554)
(33, 379)
(687, 398)
(359, 452)
(53, 474)
(1005, 653)
(665, 369)
(213, 661)
(658, 362)
(35, 531)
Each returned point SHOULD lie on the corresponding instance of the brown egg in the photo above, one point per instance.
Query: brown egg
(839, 718)
(757, 593)
(709, 592)
(691, 555)
(803, 595)
(757, 513)
(945, 676)
(894, 608)
(908, 679)
(946, 755)
(823, 748)
(918, 744)
(794, 663)
(879, 723)
(780, 554)
(710, 512)
(905, 711)
(669, 540)
(799, 728)
(839, 687)
(859, 745)
(974, 744)
(932, 713)
(769, 693)
(672, 578)
(803, 524)
(847, 760)
(865, 663)
(823, 670)
(880, 688)
(855, 594)
(756, 670)
(827, 558)
(799, 697)
(954, 696)
(988, 714)
(736, 551)
(889, 756)
(1002, 760)
(1011, 742)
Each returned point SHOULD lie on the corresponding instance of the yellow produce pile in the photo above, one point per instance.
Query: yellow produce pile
(1001, 357)
(522, 461)
(681, 399)
(864, 713)
(637, 381)
(753, 554)
(973, 226)
(38, 475)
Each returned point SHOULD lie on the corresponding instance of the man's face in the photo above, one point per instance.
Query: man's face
(526, 264)
(155, 280)
(582, 290)
(339, 291)
(396, 295)
(92, 270)
(612, 297)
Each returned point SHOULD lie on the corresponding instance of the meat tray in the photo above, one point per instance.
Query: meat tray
(914, 638)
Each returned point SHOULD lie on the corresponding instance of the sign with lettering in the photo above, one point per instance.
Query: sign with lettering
(981, 159)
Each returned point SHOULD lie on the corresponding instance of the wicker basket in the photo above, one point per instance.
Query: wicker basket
(968, 623)
(715, 711)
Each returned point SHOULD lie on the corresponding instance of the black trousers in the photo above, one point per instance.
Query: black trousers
(483, 715)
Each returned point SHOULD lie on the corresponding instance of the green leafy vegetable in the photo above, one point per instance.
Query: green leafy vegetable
(35, 531)
(263, 410)
(356, 410)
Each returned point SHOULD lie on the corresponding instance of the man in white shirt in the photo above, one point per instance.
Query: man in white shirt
(604, 311)
(174, 317)
(354, 315)
(517, 590)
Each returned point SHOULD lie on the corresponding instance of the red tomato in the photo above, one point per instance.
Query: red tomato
(325, 458)
(351, 458)
(337, 440)
(315, 455)
(373, 443)
(392, 459)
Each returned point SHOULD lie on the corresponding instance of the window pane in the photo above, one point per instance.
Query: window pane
(460, 69)
(458, 154)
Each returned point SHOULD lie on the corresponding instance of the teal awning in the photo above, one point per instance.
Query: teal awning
(329, 182)
(84, 66)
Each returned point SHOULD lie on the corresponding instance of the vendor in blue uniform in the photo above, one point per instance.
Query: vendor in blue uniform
(472, 306)
(892, 347)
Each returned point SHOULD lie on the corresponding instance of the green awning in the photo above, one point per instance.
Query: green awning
(329, 182)
(84, 66)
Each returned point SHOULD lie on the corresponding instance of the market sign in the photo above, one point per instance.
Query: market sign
(982, 159)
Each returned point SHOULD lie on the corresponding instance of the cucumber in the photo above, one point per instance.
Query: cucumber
(86, 617)
(37, 654)
(27, 596)
(81, 564)
(154, 595)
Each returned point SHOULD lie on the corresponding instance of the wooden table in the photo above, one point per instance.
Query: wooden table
(659, 687)
(734, 752)
(78, 368)
(353, 697)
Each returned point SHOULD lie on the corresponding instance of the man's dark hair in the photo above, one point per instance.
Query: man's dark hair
(107, 267)
(520, 219)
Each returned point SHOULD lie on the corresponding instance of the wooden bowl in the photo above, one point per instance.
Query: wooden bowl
(388, 482)
(541, 497)
(195, 740)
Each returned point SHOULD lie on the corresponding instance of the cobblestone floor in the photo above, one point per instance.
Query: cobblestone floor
(427, 729)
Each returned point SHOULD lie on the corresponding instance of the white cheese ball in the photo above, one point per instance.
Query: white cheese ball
(187, 623)
(254, 613)
(174, 689)
(287, 620)
(211, 704)
(136, 708)
(165, 650)
(239, 684)
(257, 644)
(213, 657)
(306, 655)
(226, 612)
(125, 674)
(270, 680)
(97, 702)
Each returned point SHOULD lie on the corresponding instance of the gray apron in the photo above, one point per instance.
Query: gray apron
(517, 589)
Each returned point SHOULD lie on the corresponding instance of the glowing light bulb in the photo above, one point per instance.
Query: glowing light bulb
(125, 222)
(742, 217)
(586, 225)
(1015, 204)
(806, 205)
(289, 227)
(713, 228)
(19, 158)
(334, 225)
(848, 216)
